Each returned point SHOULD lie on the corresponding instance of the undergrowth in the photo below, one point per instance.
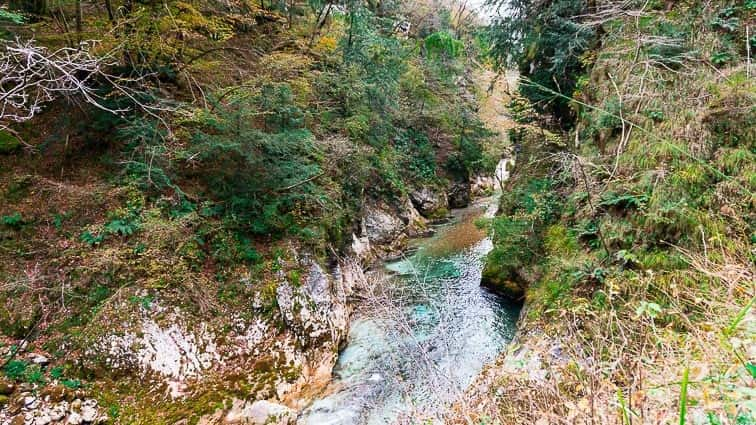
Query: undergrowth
(639, 256)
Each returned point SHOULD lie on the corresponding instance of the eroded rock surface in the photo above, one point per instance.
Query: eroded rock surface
(459, 194)
(429, 202)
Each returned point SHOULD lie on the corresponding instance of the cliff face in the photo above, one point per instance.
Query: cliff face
(182, 354)
(635, 230)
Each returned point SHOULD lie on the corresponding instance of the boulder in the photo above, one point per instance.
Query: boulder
(74, 419)
(459, 194)
(428, 202)
(417, 225)
(380, 225)
(503, 281)
(89, 411)
(260, 412)
(483, 186)
(361, 248)
(39, 359)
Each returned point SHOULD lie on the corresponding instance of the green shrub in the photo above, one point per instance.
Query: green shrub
(655, 115)
(34, 375)
(92, 239)
(8, 142)
(15, 369)
(623, 201)
(721, 58)
(726, 19)
(420, 157)
(14, 220)
(73, 384)
(121, 226)
(443, 44)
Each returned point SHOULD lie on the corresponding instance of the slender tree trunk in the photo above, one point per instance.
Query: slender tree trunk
(325, 11)
(351, 29)
(79, 19)
(291, 12)
(62, 20)
(128, 7)
(109, 8)
(40, 7)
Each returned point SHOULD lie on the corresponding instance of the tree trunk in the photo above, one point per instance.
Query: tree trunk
(79, 19)
(319, 22)
(109, 8)
(128, 7)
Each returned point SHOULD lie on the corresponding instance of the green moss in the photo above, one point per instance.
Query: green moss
(559, 240)
(8, 143)
(501, 280)
(439, 214)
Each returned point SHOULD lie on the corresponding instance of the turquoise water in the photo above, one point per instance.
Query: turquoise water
(422, 338)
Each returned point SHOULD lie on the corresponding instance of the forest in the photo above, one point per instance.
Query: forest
(204, 204)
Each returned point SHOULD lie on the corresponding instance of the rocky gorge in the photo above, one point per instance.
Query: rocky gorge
(287, 364)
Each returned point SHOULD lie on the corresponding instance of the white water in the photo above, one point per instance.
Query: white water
(411, 359)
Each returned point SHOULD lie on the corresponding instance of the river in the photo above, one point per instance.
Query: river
(423, 335)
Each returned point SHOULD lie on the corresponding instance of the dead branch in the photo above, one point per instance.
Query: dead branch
(32, 76)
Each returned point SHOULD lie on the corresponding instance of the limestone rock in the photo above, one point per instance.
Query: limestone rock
(429, 202)
(362, 249)
(316, 308)
(58, 412)
(417, 225)
(39, 359)
(43, 418)
(264, 412)
(260, 412)
(74, 419)
(503, 281)
(30, 402)
(483, 186)
(459, 194)
(89, 411)
(380, 225)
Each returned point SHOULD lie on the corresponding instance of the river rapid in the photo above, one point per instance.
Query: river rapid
(417, 342)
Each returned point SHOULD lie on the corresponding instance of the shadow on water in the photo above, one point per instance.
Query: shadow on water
(423, 336)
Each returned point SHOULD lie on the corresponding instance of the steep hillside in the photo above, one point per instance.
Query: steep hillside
(628, 227)
(187, 204)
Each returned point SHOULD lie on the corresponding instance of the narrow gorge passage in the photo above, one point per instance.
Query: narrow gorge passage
(423, 335)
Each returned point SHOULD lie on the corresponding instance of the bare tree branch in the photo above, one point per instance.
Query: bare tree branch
(32, 76)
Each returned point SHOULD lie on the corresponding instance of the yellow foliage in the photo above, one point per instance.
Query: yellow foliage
(326, 44)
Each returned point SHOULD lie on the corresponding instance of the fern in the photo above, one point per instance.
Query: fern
(624, 200)
(14, 220)
(12, 17)
(91, 239)
(123, 227)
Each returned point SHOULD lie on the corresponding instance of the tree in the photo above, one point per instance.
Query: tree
(545, 41)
